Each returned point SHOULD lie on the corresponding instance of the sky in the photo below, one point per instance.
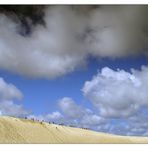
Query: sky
(84, 66)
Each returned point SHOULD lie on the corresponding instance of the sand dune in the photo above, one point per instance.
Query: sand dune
(15, 130)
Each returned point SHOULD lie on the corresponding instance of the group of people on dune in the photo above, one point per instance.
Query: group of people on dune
(62, 124)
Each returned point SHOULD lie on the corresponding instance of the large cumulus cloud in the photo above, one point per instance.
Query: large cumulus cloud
(117, 93)
(69, 35)
(49, 51)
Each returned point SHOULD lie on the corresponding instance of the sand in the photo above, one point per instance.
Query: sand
(16, 130)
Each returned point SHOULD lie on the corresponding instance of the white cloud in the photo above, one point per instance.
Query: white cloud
(9, 108)
(92, 121)
(51, 117)
(70, 108)
(54, 116)
(8, 92)
(135, 126)
(118, 93)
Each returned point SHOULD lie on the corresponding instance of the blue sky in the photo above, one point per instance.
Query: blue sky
(41, 95)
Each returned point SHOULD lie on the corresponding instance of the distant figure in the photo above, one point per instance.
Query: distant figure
(32, 119)
(56, 128)
(61, 124)
(42, 121)
(25, 117)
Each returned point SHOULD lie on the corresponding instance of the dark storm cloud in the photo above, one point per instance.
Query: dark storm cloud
(25, 12)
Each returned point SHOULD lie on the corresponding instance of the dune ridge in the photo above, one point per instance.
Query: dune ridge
(17, 130)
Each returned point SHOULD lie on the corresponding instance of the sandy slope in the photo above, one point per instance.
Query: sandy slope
(14, 130)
